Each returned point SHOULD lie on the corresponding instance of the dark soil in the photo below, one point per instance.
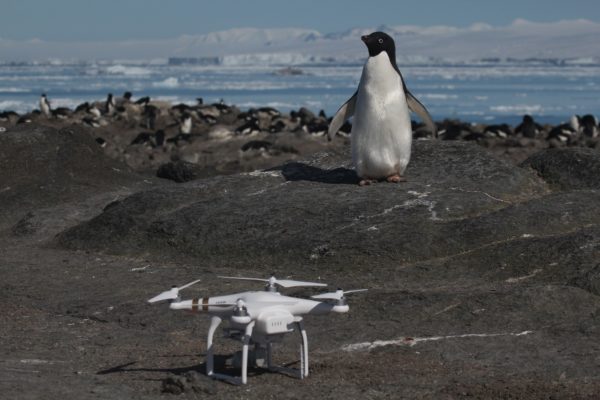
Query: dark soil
(483, 276)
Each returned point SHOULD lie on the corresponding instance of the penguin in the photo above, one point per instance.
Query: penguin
(92, 109)
(589, 126)
(565, 134)
(143, 101)
(62, 112)
(45, 105)
(126, 97)
(90, 121)
(150, 113)
(381, 134)
(110, 107)
(529, 128)
(249, 128)
(501, 131)
(260, 145)
(185, 125)
(9, 116)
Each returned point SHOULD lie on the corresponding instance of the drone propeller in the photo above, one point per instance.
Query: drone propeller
(272, 281)
(337, 295)
(172, 293)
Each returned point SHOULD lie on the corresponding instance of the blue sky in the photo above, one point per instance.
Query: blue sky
(67, 20)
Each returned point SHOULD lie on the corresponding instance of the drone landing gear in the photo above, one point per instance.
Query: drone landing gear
(301, 372)
(262, 345)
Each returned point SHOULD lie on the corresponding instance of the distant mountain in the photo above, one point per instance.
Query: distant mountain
(521, 40)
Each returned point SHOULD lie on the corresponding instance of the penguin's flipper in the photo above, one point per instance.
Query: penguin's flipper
(418, 108)
(345, 112)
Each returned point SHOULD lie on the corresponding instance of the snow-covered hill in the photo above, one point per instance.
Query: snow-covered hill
(575, 40)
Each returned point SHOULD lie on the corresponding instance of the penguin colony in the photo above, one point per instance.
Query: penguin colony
(380, 132)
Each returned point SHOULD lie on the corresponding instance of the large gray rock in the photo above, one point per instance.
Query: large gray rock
(44, 167)
(457, 198)
(567, 168)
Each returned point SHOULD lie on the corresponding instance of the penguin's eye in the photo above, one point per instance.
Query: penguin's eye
(380, 40)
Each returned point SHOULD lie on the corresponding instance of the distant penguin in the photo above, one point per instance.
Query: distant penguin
(528, 128)
(90, 121)
(574, 123)
(185, 126)
(62, 112)
(501, 131)
(9, 116)
(143, 101)
(141, 138)
(45, 105)
(381, 131)
(92, 109)
(101, 141)
(454, 130)
(251, 127)
(110, 106)
(589, 126)
(567, 133)
(260, 145)
(159, 138)
(149, 114)
(123, 100)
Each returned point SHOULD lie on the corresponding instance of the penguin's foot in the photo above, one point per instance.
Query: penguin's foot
(366, 182)
(395, 178)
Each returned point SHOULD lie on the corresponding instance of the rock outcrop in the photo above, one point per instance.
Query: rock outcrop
(483, 276)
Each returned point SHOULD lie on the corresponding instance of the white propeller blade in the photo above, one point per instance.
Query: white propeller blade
(337, 295)
(168, 295)
(286, 283)
(172, 293)
(188, 284)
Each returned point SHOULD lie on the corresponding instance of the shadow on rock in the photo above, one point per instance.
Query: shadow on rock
(296, 171)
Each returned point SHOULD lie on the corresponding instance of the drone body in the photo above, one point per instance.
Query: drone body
(260, 318)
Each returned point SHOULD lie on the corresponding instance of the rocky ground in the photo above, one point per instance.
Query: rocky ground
(483, 271)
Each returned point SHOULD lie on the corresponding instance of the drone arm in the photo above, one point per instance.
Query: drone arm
(184, 305)
(323, 308)
(203, 304)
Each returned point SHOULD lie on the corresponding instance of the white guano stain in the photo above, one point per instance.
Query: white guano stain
(413, 341)
(524, 277)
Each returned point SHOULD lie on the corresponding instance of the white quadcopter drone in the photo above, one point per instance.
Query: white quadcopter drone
(260, 318)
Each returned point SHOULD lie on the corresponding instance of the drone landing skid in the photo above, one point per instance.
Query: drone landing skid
(300, 373)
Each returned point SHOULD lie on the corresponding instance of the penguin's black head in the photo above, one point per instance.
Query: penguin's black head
(127, 95)
(379, 41)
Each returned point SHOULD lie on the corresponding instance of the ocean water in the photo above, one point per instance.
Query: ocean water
(484, 92)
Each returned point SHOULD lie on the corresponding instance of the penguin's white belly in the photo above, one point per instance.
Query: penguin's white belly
(381, 130)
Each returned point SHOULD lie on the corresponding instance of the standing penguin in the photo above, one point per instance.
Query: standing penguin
(45, 105)
(381, 131)
(110, 107)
